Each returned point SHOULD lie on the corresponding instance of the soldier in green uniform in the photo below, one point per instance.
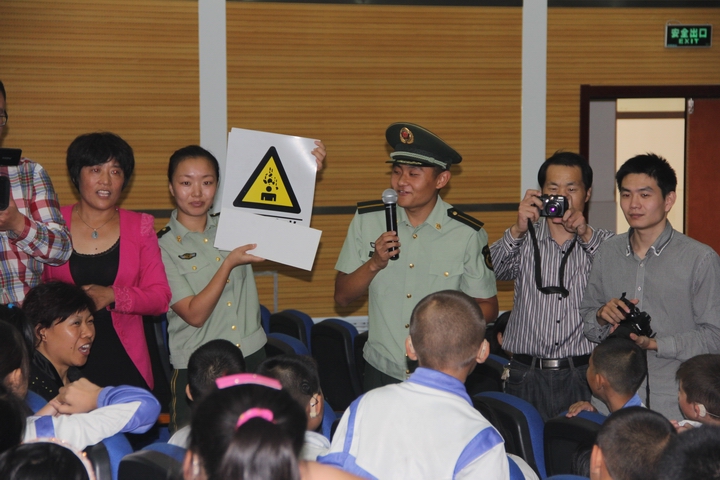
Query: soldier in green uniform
(440, 248)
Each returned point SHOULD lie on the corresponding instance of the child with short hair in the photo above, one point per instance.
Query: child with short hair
(426, 427)
(298, 375)
(699, 391)
(616, 371)
(215, 359)
(630, 444)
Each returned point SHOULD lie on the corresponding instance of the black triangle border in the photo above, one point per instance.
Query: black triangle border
(272, 152)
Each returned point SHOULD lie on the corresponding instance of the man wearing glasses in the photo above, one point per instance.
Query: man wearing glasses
(32, 230)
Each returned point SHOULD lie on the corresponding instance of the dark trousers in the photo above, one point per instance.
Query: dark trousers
(374, 378)
(549, 391)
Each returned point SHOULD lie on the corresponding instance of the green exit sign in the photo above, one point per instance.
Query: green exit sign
(683, 36)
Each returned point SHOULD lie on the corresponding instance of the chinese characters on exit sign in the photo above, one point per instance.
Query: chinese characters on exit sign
(682, 36)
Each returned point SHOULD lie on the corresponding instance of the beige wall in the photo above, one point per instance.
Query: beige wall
(341, 73)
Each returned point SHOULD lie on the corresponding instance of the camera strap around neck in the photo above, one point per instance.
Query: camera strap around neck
(538, 266)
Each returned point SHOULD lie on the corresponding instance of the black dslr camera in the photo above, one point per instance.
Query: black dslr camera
(636, 322)
(9, 157)
(553, 205)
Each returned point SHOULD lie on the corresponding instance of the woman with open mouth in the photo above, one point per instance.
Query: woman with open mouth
(59, 314)
(115, 259)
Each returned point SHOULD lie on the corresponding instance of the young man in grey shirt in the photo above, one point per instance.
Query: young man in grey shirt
(672, 277)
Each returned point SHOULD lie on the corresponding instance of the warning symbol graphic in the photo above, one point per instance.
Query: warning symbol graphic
(268, 188)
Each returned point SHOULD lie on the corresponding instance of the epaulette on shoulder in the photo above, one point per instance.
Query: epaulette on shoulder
(217, 214)
(163, 231)
(370, 206)
(461, 217)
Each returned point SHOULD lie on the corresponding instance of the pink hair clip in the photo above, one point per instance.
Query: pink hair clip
(247, 379)
(263, 413)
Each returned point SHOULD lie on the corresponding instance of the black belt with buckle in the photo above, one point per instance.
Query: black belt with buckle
(552, 363)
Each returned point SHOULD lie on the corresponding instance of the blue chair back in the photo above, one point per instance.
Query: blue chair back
(520, 425)
(334, 351)
(329, 417)
(106, 456)
(294, 323)
(156, 461)
(292, 345)
(567, 440)
(265, 318)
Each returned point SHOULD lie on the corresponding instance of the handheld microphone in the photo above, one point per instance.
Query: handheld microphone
(389, 198)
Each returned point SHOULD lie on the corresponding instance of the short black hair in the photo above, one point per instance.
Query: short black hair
(13, 413)
(653, 166)
(42, 461)
(92, 149)
(13, 353)
(632, 441)
(298, 374)
(54, 301)
(447, 329)
(567, 159)
(699, 378)
(191, 151)
(215, 359)
(2, 90)
(622, 363)
(692, 455)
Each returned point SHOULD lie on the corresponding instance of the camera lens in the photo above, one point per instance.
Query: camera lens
(552, 208)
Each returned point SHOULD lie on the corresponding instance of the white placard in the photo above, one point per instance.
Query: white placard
(268, 188)
(279, 241)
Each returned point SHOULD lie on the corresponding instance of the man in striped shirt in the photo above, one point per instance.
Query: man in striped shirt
(32, 230)
(550, 266)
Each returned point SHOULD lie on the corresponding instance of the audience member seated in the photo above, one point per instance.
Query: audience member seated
(47, 459)
(617, 369)
(630, 444)
(59, 314)
(699, 391)
(426, 427)
(12, 418)
(217, 358)
(97, 413)
(692, 455)
(298, 375)
(250, 428)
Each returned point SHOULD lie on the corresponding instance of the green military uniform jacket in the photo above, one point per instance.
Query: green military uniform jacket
(191, 261)
(447, 252)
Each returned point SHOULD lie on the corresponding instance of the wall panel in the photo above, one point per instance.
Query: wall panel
(617, 46)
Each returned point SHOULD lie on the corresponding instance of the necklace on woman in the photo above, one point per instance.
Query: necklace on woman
(94, 233)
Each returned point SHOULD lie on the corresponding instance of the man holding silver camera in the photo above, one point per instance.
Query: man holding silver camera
(672, 277)
(549, 258)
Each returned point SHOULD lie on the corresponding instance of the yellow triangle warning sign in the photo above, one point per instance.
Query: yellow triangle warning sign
(268, 188)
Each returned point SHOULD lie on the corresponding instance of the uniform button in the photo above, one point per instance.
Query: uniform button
(227, 281)
(412, 265)
(447, 274)
(407, 371)
(639, 289)
(194, 267)
(407, 325)
(233, 327)
(179, 238)
(237, 345)
(409, 295)
(414, 235)
(217, 259)
(438, 226)
(205, 240)
(229, 304)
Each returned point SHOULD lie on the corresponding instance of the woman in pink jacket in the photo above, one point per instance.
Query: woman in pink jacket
(116, 259)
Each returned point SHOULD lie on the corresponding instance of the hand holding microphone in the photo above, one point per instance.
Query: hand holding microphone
(389, 198)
